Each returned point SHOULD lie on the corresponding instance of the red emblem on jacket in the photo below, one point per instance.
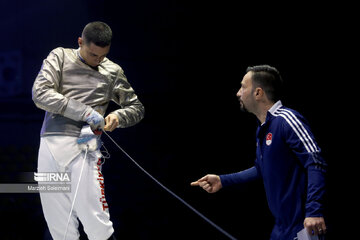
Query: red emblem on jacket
(268, 139)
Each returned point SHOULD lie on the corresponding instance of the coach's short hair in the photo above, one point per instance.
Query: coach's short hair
(269, 79)
(98, 33)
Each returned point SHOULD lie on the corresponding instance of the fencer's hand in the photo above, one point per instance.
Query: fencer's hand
(210, 183)
(315, 225)
(95, 120)
(111, 122)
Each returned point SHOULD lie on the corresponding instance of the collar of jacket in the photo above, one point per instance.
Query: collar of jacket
(270, 113)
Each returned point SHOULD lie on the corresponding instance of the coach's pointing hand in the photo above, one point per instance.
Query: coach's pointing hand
(210, 183)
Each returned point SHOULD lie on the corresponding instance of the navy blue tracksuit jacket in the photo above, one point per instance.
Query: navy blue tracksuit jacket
(289, 162)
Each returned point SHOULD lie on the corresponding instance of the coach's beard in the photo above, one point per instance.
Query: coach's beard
(242, 106)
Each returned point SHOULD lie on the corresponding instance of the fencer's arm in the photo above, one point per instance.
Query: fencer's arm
(132, 110)
(46, 94)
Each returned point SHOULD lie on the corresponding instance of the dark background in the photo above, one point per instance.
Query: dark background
(185, 61)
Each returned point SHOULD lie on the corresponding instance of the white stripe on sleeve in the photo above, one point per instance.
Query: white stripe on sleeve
(298, 128)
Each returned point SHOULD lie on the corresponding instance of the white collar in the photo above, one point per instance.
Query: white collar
(275, 107)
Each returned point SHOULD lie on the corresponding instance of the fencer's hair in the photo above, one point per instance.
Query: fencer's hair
(98, 33)
(269, 79)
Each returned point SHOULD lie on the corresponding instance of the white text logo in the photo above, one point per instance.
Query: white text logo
(52, 177)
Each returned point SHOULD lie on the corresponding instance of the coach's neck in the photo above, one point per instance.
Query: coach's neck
(262, 106)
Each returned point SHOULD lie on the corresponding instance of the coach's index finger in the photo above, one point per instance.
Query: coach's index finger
(197, 183)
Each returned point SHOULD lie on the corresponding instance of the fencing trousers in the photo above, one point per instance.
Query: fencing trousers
(90, 206)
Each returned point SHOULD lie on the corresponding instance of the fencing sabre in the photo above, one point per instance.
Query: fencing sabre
(172, 193)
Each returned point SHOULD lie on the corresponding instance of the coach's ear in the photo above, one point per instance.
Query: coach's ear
(259, 93)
